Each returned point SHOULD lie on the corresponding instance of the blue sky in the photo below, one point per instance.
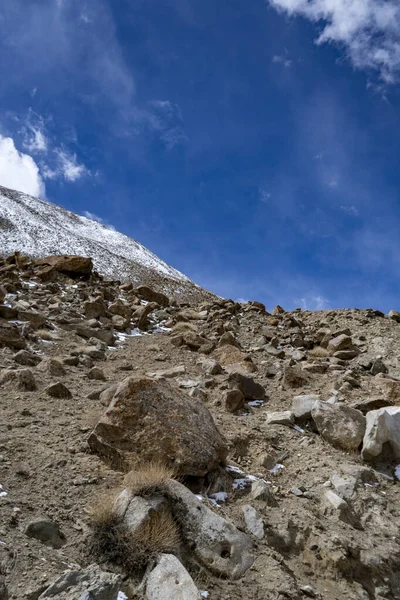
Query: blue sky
(252, 144)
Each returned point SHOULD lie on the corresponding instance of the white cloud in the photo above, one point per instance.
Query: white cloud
(369, 30)
(282, 59)
(36, 141)
(93, 217)
(19, 171)
(313, 303)
(69, 167)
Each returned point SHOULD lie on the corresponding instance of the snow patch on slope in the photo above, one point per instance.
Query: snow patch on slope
(39, 228)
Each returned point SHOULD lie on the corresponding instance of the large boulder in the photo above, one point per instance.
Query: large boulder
(169, 580)
(214, 541)
(151, 295)
(150, 420)
(339, 424)
(68, 264)
(383, 427)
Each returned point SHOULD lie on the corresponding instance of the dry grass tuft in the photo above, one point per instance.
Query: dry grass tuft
(111, 540)
(319, 352)
(48, 336)
(184, 327)
(148, 479)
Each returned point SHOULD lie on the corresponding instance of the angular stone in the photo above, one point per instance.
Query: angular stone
(294, 377)
(10, 336)
(345, 486)
(169, 580)
(26, 358)
(250, 389)
(285, 417)
(303, 405)
(52, 366)
(169, 373)
(234, 359)
(151, 295)
(211, 366)
(339, 424)
(89, 584)
(35, 319)
(340, 342)
(233, 400)
(394, 315)
(104, 335)
(253, 520)
(214, 541)
(383, 427)
(95, 309)
(150, 420)
(3, 292)
(67, 264)
(96, 374)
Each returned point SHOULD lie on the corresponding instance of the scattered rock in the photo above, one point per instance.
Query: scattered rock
(294, 377)
(302, 406)
(27, 359)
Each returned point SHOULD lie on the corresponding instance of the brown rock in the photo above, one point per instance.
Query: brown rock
(27, 359)
(95, 309)
(340, 342)
(141, 314)
(339, 424)
(294, 377)
(3, 292)
(10, 336)
(58, 390)
(52, 366)
(250, 389)
(151, 420)
(152, 296)
(234, 400)
(67, 264)
(234, 359)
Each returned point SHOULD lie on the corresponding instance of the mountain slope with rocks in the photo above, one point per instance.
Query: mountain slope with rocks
(157, 450)
(39, 228)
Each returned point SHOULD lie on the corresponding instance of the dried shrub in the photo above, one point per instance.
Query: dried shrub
(319, 352)
(111, 540)
(148, 479)
(184, 327)
(48, 336)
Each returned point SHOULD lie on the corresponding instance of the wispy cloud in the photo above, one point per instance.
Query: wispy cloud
(284, 60)
(34, 134)
(350, 210)
(368, 30)
(311, 302)
(19, 171)
(93, 217)
(69, 167)
(264, 194)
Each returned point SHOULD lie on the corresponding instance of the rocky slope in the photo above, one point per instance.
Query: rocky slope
(232, 453)
(39, 228)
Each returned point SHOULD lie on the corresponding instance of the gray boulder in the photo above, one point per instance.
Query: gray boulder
(253, 520)
(214, 541)
(303, 405)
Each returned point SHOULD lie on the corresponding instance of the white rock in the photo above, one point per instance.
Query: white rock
(383, 426)
(303, 405)
(280, 418)
(169, 580)
(253, 520)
